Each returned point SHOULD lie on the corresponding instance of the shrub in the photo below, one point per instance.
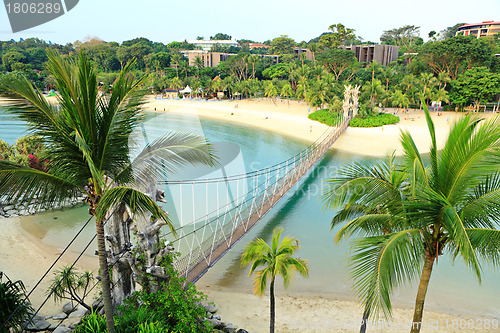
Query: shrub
(172, 309)
(12, 295)
(326, 117)
(92, 323)
(374, 121)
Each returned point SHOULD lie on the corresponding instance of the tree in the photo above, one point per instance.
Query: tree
(450, 31)
(410, 213)
(13, 309)
(399, 99)
(405, 36)
(87, 137)
(220, 36)
(475, 85)
(276, 259)
(340, 34)
(198, 63)
(338, 62)
(455, 55)
(12, 57)
(282, 45)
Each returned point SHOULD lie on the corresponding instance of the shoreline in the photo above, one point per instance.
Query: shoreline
(238, 306)
(290, 118)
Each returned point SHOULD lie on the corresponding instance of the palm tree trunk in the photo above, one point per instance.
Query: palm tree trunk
(272, 309)
(366, 314)
(422, 291)
(103, 266)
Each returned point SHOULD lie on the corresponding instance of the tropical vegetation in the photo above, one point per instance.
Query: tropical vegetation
(405, 214)
(13, 309)
(87, 137)
(276, 260)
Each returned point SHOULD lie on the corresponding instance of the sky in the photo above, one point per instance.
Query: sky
(259, 20)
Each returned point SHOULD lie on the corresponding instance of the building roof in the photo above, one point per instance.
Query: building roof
(476, 24)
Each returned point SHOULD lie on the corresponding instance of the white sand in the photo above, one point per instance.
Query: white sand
(25, 257)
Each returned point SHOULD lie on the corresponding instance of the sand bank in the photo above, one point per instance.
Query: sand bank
(290, 118)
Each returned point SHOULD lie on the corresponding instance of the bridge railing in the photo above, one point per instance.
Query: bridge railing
(206, 239)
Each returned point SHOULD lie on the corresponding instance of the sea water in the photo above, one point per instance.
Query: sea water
(453, 288)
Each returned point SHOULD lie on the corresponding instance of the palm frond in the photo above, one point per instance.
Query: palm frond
(24, 184)
(371, 224)
(138, 202)
(486, 243)
(481, 206)
(381, 263)
(169, 153)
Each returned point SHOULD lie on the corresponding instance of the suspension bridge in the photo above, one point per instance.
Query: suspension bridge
(240, 202)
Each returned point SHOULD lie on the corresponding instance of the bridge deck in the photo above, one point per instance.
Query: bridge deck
(199, 265)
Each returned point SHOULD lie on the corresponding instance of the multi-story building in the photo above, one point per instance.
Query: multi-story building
(486, 28)
(206, 45)
(383, 54)
(210, 59)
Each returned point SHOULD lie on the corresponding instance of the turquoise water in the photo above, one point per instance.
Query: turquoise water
(301, 215)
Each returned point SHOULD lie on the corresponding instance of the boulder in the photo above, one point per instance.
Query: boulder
(37, 324)
(218, 325)
(60, 316)
(212, 308)
(216, 317)
(79, 312)
(69, 307)
(230, 328)
(62, 329)
(241, 330)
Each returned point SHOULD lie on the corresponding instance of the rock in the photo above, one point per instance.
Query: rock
(241, 330)
(97, 304)
(80, 312)
(60, 316)
(9, 207)
(230, 328)
(69, 307)
(212, 308)
(218, 325)
(62, 329)
(38, 324)
(216, 317)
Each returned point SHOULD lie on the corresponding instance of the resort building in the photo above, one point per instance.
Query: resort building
(210, 59)
(252, 46)
(486, 28)
(206, 45)
(383, 54)
(298, 51)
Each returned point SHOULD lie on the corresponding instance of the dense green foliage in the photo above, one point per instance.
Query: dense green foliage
(172, 309)
(317, 77)
(374, 121)
(326, 117)
(404, 214)
(27, 151)
(12, 295)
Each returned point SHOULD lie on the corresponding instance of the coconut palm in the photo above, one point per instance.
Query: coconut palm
(276, 259)
(410, 218)
(88, 137)
(176, 58)
(399, 99)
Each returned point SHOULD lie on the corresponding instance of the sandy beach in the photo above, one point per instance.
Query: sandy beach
(290, 118)
(25, 257)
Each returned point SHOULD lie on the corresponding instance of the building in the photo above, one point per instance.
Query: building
(486, 28)
(252, 46)
(206, 45)
(298, 51)
(383, 54)
(210, 59)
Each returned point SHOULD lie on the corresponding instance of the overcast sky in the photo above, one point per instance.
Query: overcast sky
(259, 20)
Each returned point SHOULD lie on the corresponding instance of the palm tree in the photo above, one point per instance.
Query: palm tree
(373, 90)
(176, 58)
(408, 214)
(198, 63)
(399, 99)
(277, 260)
(314, 48)
(87, 136)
